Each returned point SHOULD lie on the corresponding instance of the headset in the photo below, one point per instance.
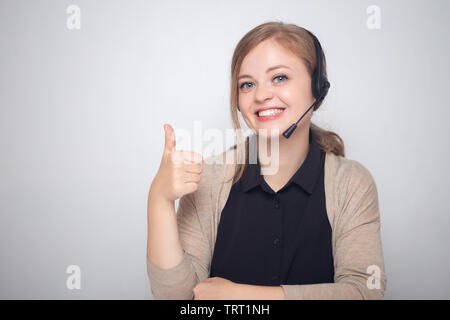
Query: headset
(319, 84)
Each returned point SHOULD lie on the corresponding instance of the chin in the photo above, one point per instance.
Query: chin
(269, 132)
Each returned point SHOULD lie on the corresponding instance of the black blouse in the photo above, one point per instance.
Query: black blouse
(273, 238)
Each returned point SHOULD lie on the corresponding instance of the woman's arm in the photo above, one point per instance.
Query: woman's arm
(252, 292)
(178, 281)
(163, 245)
(169, 267)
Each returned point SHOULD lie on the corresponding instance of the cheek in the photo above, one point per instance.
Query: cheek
(295, 94)
(245, 102)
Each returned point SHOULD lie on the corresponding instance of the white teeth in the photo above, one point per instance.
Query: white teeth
(270, 112)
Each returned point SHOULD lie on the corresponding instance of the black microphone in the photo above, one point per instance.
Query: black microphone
(292, 128)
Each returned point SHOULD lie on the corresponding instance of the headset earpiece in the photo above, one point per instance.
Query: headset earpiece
(319, 81)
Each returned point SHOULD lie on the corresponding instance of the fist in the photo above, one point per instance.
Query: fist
(179, 171)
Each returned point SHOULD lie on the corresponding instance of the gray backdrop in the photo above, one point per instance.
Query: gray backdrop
(82, 114)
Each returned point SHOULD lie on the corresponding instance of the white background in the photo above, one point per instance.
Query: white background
(82, 114)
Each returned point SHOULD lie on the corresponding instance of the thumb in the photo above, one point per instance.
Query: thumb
(169, 145)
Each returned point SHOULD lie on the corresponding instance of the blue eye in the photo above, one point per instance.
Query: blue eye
(242, 86)
(280, 76)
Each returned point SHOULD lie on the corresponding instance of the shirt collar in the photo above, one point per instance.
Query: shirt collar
(305, 177)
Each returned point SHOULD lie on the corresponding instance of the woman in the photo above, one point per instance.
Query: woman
(311, 230)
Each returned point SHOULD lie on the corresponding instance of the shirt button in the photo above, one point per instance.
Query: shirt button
(275, 278)
(276, 241)
(277, 204)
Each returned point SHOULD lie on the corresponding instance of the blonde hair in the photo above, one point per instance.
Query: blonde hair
(298, 41)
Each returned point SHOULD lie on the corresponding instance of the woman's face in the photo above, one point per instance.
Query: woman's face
(263, 86)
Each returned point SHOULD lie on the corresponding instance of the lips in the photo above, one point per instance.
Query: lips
(269, 117)
(267, 108)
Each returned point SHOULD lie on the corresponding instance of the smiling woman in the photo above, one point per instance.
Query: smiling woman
(311, 230)
(286, 57)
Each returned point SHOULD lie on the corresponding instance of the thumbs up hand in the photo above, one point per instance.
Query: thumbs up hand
(179, 171)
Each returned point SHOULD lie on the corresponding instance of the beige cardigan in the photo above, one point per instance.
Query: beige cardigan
(353, 212)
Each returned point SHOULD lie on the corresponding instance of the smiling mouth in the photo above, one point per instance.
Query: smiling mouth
(269, 114)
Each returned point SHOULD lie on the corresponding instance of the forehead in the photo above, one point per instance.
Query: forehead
(269, 53)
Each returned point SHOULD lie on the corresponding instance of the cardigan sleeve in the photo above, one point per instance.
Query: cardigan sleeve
(179, 281)
(358, 257)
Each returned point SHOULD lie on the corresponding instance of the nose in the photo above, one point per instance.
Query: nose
(263, 92)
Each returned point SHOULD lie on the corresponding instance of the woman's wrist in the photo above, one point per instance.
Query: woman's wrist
(156, 190)
(254, 292)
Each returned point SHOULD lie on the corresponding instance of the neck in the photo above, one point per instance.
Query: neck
(292, 151)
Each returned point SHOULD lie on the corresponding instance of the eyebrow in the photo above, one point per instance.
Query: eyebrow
(268, 70)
